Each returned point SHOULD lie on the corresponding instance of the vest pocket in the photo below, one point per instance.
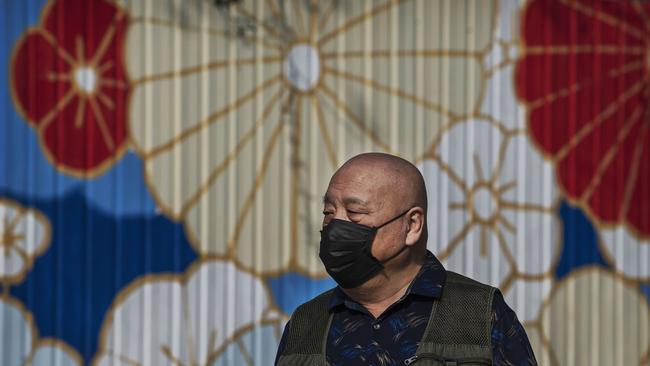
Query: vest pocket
(435, 360)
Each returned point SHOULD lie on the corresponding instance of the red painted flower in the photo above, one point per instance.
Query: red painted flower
(585, 77)
(69, 82)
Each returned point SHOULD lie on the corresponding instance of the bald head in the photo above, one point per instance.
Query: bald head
(398, 178)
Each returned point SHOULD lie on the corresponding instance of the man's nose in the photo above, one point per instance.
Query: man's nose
(341, 214)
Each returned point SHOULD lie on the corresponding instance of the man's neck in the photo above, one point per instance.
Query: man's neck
(384, 290)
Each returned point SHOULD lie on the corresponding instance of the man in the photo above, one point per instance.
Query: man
(395, 303)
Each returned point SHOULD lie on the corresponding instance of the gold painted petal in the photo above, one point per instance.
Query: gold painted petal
(401, 114)
(358, 24)
(162, 111)
(189, 161)
(596, 318)
(235, 164)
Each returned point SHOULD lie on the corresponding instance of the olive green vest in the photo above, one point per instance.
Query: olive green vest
(458, 331)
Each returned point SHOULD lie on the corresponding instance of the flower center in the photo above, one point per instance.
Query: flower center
(484, 204)
(302, 67)
(86, 79)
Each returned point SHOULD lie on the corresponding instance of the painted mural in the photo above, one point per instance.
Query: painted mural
(162, 166)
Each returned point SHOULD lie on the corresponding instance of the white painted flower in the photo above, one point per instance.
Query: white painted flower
(595, 317)
(492, 210)
(242, 112)
(24, 235)
(20, 344)
(187, 319)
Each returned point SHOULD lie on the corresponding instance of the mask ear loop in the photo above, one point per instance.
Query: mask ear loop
(393, 219)
(386, 223)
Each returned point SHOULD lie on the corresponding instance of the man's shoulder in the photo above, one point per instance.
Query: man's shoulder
(458, 279)
(320, 301)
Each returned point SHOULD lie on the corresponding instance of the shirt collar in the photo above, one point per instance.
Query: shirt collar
(428, 283)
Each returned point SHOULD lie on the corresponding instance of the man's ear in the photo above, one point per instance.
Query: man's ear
(416, 222)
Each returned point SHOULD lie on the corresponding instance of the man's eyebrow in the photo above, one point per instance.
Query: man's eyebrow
(355, 201)
(346, 201)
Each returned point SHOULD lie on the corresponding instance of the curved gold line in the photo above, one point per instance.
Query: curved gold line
(218, 170)
(213, 118)
(611, 153)
(358, 19)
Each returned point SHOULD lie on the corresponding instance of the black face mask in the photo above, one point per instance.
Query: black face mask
(345, 249)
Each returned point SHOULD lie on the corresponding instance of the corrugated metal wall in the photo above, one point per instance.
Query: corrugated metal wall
(162, 166)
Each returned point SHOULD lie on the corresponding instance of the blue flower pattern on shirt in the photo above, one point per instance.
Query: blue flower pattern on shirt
(357, 338)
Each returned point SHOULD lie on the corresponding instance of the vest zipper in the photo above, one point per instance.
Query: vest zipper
(447, 361)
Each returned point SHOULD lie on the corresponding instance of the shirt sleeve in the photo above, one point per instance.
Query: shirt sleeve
(283, 343)
(510, 345)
